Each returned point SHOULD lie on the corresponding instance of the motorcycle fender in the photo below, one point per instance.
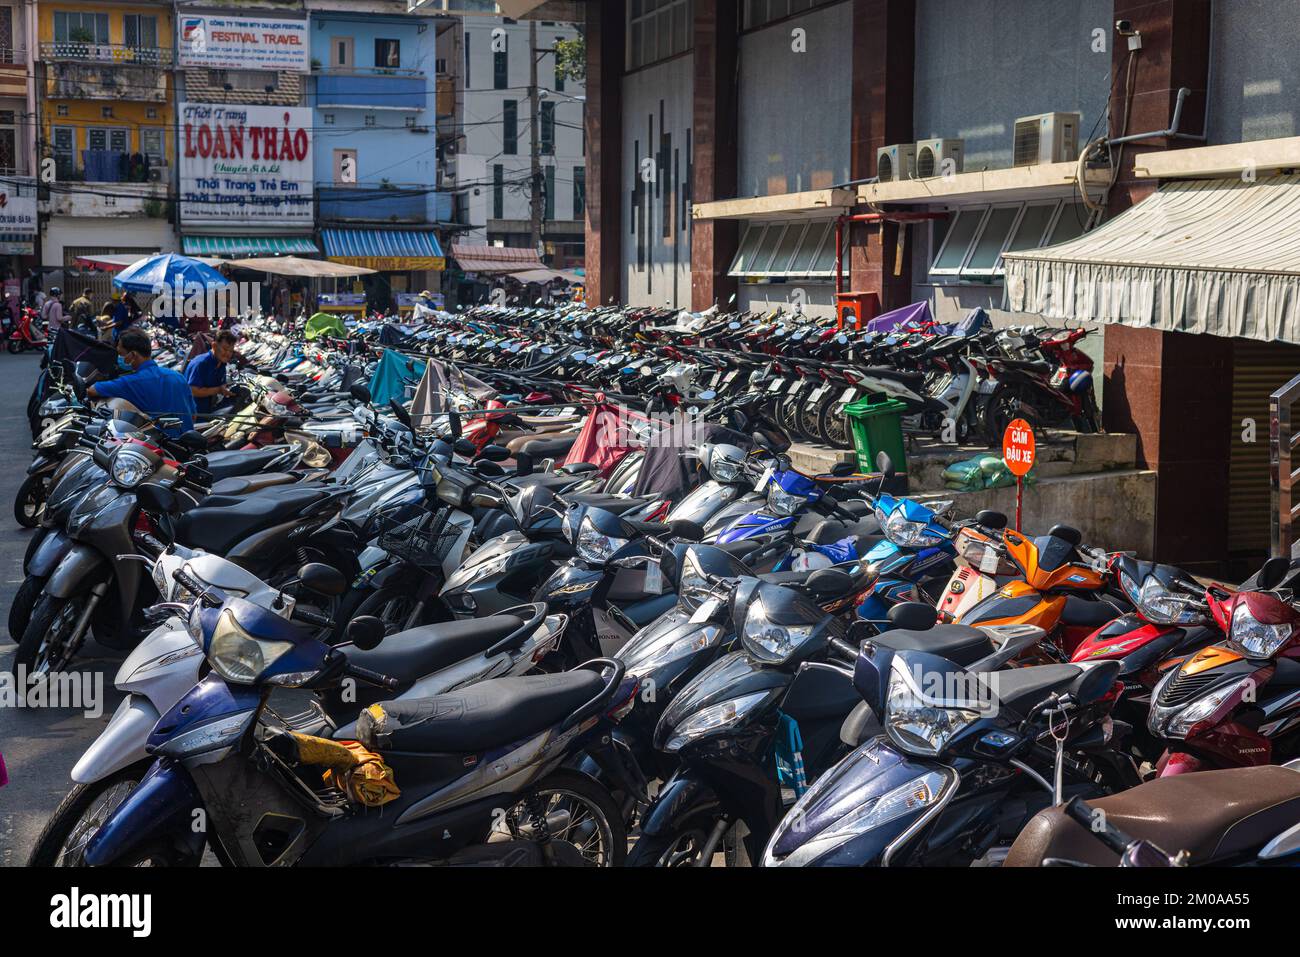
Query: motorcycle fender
(383, 576)
(121, 743)
(680, 799)
(162, 804)
(53, 548)
(82, 568)
(42, 463)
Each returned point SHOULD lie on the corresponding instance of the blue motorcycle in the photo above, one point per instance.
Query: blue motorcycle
(478, 776)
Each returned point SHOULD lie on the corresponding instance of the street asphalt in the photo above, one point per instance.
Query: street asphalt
(39, 745)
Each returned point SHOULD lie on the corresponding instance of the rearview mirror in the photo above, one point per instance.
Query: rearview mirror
(830, 581)
(884, 465)
(991, 519)
(1271, 575)
(360, 392)
(193, 441)
(465, 447)
(365, 632)
(322, 579)
(156, 498)
(494, 453)
(913, 616)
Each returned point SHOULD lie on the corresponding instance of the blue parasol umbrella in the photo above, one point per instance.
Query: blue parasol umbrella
(168, 270)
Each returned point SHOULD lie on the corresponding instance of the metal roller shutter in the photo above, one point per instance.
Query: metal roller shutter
(1258, 368)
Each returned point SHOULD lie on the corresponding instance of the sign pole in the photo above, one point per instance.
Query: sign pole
(1018, 454)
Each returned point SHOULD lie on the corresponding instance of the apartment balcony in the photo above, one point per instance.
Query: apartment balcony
(377, 89)
(402, 203)
(13, 72)
(112, 200)
(76, 51)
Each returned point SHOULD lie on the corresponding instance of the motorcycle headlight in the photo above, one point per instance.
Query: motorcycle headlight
(716, 717)
(1177, 722)
(899, 530)
(238, 656)
(1258, 639)
(129, 467)
(782, 502)
(1156, 603)
(724, 468)
(917, 724)
(594, 547)
(645, 659)
(769, 641)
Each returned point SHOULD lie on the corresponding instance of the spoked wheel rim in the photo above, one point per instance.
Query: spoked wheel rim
(56, 649)
(73, 851)
(836, 432)
(572, 818)
(685, 850)
(33, 504)
(393, 611)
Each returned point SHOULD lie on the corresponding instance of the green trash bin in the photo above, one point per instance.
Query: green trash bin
(877, 426)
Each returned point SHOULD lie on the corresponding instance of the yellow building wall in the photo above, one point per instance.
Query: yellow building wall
(84, 114)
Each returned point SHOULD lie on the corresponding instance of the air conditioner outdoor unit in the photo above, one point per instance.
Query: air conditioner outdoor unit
(932, 157)
(897, 162)
(1046, 138)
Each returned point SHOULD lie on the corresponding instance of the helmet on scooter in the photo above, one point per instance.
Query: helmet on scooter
(1080, 381)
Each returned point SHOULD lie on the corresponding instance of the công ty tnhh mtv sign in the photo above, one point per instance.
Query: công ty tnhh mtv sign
(243, 43)
(242, 164)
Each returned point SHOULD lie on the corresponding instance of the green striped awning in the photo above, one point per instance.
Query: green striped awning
(248, 245)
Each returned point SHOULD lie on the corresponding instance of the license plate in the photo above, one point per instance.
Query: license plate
(848, 395)
(1058, 377)
(729, 377)
(654, 578)
(776, 385)
(818, 393)
(796, 386)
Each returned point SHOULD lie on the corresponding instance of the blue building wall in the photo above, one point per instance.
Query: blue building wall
(384, 114)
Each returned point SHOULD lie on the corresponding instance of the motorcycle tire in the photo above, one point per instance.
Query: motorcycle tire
(595, 794)
(1008, 402)
(48, 613)
(806, 421)
(832, 429)
(29, 502)
(384, 603)
(49, 850)
(681, 848)
(20, 611)
(15, 346)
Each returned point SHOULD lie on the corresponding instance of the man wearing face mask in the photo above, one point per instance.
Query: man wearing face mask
(153, 390)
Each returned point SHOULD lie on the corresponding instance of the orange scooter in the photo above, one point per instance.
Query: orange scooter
(1065, 589)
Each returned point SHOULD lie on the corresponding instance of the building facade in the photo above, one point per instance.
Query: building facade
(376, 81)
(726, 140)
(18, 128)
(106, 128)
(488, 150)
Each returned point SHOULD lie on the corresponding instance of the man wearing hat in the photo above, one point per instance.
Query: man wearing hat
(424, 308)
(121, 314)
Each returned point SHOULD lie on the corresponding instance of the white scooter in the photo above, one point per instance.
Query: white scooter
(166, 665)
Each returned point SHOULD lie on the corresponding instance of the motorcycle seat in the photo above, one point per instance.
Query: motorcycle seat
(412, 654)
(244, 484)
(1028, 365)
(960, 644)
(1213, 815)
(1083, 612)
(220, 522)
(616, 504)
(479, 717)
(912, 380)
(544, 448)
(230, 462)
(1020, 689)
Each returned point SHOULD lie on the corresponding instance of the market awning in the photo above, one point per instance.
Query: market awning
(1219, 256)
(546, 275)
(384, 249)
(247, 245)
(115, 262)
(495, 259)
(306, 268)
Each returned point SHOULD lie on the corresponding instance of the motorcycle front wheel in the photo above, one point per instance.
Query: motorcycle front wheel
(85, 809)
(29, 502)
(25, 599)
(48, 643)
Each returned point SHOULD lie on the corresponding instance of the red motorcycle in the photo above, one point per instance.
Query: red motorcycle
(1236, 703)
(1055, 390)
(27, 334)
(1170, 620)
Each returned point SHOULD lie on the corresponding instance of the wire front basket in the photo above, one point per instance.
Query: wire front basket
(424, 541)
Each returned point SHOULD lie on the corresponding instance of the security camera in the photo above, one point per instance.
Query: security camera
(1125, 29)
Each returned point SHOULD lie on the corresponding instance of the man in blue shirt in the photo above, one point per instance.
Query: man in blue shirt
(152, 389)
(121, 315)
(206, 374)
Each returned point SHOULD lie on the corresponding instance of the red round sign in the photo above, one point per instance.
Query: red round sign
(1018, 447)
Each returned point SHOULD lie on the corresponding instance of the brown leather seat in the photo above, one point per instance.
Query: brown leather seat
(1213, 815)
